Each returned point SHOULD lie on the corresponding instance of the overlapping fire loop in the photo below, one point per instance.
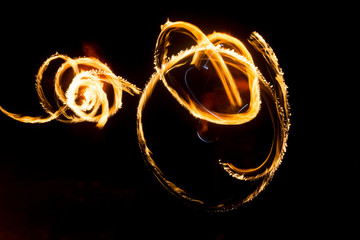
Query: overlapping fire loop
(226, 54)
(84, 99)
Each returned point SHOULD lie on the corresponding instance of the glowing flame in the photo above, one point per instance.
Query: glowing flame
(226, 55)
(85, 95)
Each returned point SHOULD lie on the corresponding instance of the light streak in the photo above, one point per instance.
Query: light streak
(225, 54)
(195, 98)
(85, 98)
(203, 139)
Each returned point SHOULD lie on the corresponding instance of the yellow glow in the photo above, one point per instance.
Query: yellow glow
(224, 53)
(85, 96)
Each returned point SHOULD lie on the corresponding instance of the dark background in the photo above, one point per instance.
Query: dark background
(73, 181)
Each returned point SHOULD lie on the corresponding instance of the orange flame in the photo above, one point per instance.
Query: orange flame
(85, 96)
(226, 54)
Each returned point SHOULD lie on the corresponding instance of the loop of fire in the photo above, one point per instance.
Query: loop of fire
(81, 87)
(241, 92)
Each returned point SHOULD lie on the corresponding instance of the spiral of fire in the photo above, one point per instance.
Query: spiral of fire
(84, 99)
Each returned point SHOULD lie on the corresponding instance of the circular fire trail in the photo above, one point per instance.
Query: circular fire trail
(84, 98)
(243, 89)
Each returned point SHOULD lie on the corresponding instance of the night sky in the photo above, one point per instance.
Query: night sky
(74, 181)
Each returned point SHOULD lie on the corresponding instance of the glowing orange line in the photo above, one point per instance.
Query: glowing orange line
(217, 47)
(95, 107)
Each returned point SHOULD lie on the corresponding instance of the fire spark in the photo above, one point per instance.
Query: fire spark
(85, 98)
(243, 87)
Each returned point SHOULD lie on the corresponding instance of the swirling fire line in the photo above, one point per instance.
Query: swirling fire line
(225, 53)
(85, 95)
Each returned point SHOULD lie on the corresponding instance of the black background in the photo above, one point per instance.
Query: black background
(74, 181)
